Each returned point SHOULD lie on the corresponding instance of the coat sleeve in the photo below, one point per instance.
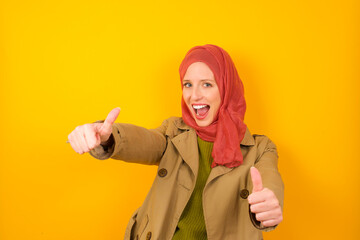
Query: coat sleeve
(135, 144)
(267, 164)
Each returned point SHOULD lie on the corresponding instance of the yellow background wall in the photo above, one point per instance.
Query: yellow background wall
(66, 63)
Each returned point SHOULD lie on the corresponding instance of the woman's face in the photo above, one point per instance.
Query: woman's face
(201, 93)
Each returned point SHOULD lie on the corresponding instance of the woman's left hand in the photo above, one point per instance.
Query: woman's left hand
(263, 202)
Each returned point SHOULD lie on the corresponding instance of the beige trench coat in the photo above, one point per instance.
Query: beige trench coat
(173, 146)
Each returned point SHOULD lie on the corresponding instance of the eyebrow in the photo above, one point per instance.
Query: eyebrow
(201, 80)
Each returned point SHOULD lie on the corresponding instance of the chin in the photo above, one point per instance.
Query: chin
(202, 123)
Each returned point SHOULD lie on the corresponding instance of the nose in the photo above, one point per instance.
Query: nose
(196, 94)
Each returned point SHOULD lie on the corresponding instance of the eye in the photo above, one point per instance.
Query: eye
(187, 85)
(207, 85)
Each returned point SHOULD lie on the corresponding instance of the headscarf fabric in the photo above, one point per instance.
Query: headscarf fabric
(228, 128)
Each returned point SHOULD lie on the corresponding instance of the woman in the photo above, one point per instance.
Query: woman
(206, 159)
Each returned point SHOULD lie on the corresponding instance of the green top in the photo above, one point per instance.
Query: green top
(192, 223)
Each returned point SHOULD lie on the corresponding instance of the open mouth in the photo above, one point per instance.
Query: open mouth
(201, 110)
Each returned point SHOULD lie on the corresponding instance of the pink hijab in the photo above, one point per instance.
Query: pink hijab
(228, 129)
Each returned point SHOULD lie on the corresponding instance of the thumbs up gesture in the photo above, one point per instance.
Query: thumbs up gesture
(263, 202)
(89, 136)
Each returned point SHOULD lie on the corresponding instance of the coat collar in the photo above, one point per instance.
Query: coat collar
(248, 139)
(186, 144)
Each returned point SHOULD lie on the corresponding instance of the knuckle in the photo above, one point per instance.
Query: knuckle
(92, 143)
(267, 224)
(88, 126)
(274, 204)
(80, 128)
(270, 195)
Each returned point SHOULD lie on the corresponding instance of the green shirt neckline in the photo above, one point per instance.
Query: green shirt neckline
(191, 225)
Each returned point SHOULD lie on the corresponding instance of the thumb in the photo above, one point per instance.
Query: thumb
(106, 127)
(256, 179)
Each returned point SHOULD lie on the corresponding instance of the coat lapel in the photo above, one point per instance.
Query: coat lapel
(218, 171)
(186, 144)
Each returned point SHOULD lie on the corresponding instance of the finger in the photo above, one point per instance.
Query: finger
(74, 144)
(272, 222)
(90, 136)
(269, 215)
(256, 179)
(96, 127)
(264, 206)
(264, 216)
(259, 207)
(98, 139)
(80, 138)
(256, 197)
(109, 121)
(263, 201)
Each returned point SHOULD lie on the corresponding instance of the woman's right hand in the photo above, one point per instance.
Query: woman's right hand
(89, 136)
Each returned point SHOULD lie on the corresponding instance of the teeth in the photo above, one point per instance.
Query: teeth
(199, 106)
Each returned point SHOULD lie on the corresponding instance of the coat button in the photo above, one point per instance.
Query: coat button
(162, 172)
(148, 236)
(244, 193)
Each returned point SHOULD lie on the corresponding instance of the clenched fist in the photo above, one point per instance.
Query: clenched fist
(89, 136)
